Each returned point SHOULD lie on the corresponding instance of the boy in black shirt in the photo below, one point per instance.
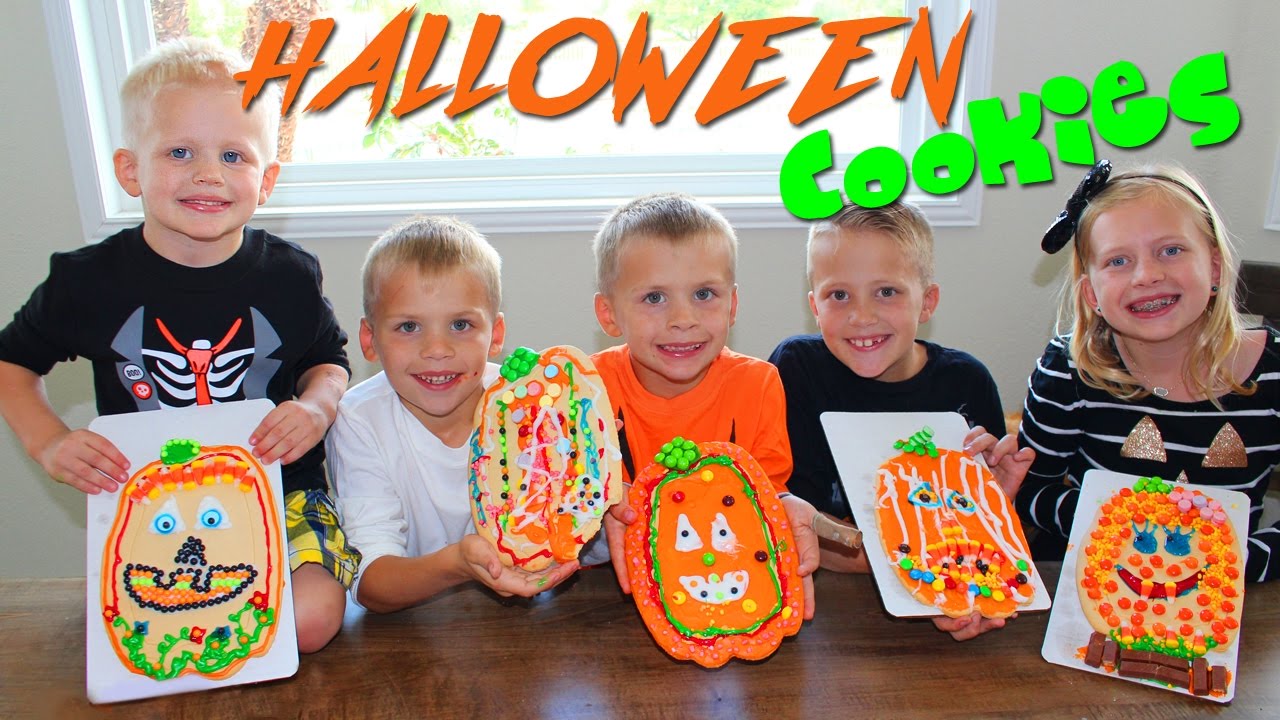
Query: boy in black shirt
(871, 278)
(192, 308)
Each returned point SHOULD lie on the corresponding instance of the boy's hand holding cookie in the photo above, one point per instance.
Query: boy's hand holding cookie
(480, 561)
(84, 460)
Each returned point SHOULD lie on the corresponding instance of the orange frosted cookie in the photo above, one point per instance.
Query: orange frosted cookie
(545, 463)
(950, 533)
(1161, 569)
(192, 568)
(711, 559)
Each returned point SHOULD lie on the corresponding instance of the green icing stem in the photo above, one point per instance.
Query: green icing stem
(210, 660)
(768, 537)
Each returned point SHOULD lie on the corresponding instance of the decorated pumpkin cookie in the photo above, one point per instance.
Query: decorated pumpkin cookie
(1161, 570)
(950, 533)
(545, 462)
(711, 559)
(193, 569)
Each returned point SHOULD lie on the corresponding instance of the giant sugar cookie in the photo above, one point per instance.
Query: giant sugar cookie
(192, 570)
(545, 463)
(1161, 574)
(711, 559)
(950, 534)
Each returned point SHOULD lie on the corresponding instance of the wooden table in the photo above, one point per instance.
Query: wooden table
(585, 653)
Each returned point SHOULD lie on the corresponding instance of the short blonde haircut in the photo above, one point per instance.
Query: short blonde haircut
(188, 62)
(901, 221)
(1221, 329)
(675, 217)
(431, 245)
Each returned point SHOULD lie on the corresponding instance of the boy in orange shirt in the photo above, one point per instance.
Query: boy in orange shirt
(665, 267)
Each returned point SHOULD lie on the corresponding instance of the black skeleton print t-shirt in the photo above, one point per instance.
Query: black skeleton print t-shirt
(164, 335)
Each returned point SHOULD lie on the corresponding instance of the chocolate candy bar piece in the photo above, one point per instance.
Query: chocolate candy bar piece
(1155, 658)
(1173, 676)
(1110, 654)
(1218, 680)
(1093, 655)
(1200, 676)
(1141, 670)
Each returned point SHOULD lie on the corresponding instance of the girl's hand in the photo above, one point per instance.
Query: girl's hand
(481, 562)
(1008, 464)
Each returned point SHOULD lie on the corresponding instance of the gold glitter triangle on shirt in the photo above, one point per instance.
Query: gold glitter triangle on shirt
(1227, 450)
(1145, 442)
(1182, 477)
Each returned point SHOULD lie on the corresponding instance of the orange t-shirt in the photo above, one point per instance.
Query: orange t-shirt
(740, 400)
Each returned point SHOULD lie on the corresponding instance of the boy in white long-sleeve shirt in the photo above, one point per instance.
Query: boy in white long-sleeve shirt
(398, 449)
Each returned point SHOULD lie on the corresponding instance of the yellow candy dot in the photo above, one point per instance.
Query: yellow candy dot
(936, 569)
(749, 605)
(997, 596)
(553, 390)
(993, 569)
(578, 467)
(786, 612)
(678, 597)
(546, 401)
(508, 397)
(939, 585)
(707, 476)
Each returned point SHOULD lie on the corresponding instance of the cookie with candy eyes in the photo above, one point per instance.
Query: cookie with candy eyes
(950, 533)
(545, 461)
(1161, 569)
(711, 559)
(192, 569)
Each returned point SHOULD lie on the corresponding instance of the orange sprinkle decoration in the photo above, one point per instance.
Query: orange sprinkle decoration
(1104, 609)
(1140, 606)
(1174, 570)
(1231, 623)
(1136, 560)
(1095, 594)
(1228, 606)
(1157, 561)
(1185, 614)
(1159, 608)
(1220, 638)
(1233, 573)
(1205, 546)
(1136, 619)
(1186, 630)
(1191, 562)
(1111, 586)
(1229, 590)
(1203, 600)
(1124, 603)
(1113, 620)
(1146, 573)
(1206, 615)
(1216, 626)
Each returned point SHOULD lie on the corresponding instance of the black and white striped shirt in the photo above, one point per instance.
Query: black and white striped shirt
(1074, 428)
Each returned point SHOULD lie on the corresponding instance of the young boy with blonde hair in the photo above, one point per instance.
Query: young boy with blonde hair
(871, 278)
(399, 452)
(665, 272)
(191, 308)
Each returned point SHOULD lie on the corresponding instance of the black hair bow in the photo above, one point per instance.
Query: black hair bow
(1064, 226)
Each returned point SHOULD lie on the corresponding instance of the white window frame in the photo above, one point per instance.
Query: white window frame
(92, 42)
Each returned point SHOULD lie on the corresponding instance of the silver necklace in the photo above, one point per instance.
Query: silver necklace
(1158, 391)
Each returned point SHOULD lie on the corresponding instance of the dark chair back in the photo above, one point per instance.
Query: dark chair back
(1260, 284)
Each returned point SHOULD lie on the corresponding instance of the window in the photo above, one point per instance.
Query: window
(502, 170)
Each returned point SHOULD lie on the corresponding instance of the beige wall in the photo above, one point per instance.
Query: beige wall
(998, 289)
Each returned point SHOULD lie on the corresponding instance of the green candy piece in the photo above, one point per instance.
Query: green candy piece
(928, 431)
(905, 563)
(682, 464)
(666, 447)
(910, 447)
(689, 445)
(708, 559)
(1021, 565)
(897, 444)
(179, 451)
(986, 591)
(933, 451)
(659, 457)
